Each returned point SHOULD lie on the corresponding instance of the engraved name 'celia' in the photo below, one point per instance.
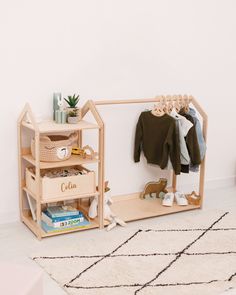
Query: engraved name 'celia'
(67, 186)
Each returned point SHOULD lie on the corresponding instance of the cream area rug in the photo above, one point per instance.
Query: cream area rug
(192, 254)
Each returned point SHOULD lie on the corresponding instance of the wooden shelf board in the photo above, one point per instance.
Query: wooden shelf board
(93, 224)
(29, 159)
(131, 207)
(45, 201)
(51, 126)
(32, 225)
(72, 161)
(30, 193)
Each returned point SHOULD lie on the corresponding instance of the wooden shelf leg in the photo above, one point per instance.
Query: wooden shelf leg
(39, 236)
(101, 179)
(203, 164)
(20, 170)
(201, 182)
(37, 175)
(80, 138)
(79, 143)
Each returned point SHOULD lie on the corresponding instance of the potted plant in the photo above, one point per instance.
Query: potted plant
(72, 101)
(73, 117)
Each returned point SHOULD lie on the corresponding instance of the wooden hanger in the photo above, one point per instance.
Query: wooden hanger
(170, 104)
(165, 105)
(181, 101)
(158, 107)
(187, 101)
(177, 105)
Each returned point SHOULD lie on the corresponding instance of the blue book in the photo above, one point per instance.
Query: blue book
(62, 223)
(60, 211)
(63, 218)
(50, 229)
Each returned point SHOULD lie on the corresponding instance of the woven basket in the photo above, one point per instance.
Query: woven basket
(54, 148)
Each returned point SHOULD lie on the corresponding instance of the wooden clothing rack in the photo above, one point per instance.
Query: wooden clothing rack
(130, 207)
(127, 207)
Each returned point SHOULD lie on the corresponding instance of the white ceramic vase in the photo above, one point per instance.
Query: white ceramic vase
(73, 120)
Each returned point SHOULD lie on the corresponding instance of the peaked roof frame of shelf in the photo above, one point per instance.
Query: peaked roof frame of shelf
(90, 105)
(27, 110)
(160, 98)
(33, 125)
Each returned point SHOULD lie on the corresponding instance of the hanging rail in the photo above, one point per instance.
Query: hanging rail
(156, 99)
(145, 100)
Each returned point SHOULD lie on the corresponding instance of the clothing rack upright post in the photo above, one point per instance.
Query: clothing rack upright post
(203, 114)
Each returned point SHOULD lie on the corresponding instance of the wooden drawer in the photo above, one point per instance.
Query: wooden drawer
(51, 188)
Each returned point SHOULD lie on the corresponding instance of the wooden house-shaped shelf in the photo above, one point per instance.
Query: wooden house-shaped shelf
(28, 128)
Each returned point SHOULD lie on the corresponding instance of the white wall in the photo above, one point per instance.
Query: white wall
(117, 49)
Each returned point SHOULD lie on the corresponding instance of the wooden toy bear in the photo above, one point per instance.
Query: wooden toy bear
(154, 187)
(82, 152)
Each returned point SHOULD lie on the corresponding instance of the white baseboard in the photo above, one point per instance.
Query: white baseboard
(214, 183)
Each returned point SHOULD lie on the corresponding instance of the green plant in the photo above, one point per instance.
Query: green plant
(72, 100)
(73, 113)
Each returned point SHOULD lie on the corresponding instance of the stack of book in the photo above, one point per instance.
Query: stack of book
(62, 218)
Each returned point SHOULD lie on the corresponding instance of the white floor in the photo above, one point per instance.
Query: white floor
(17, 243)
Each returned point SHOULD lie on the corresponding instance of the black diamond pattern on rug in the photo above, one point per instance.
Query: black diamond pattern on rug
(168, 259)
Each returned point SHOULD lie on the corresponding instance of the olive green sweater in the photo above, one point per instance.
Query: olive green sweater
(159, 139)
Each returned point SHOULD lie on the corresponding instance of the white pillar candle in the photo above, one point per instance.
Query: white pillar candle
(55, 103)
(58, 116)
(63, 117)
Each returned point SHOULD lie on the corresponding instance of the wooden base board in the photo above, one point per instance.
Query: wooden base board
(127, 207)
(131, 207)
